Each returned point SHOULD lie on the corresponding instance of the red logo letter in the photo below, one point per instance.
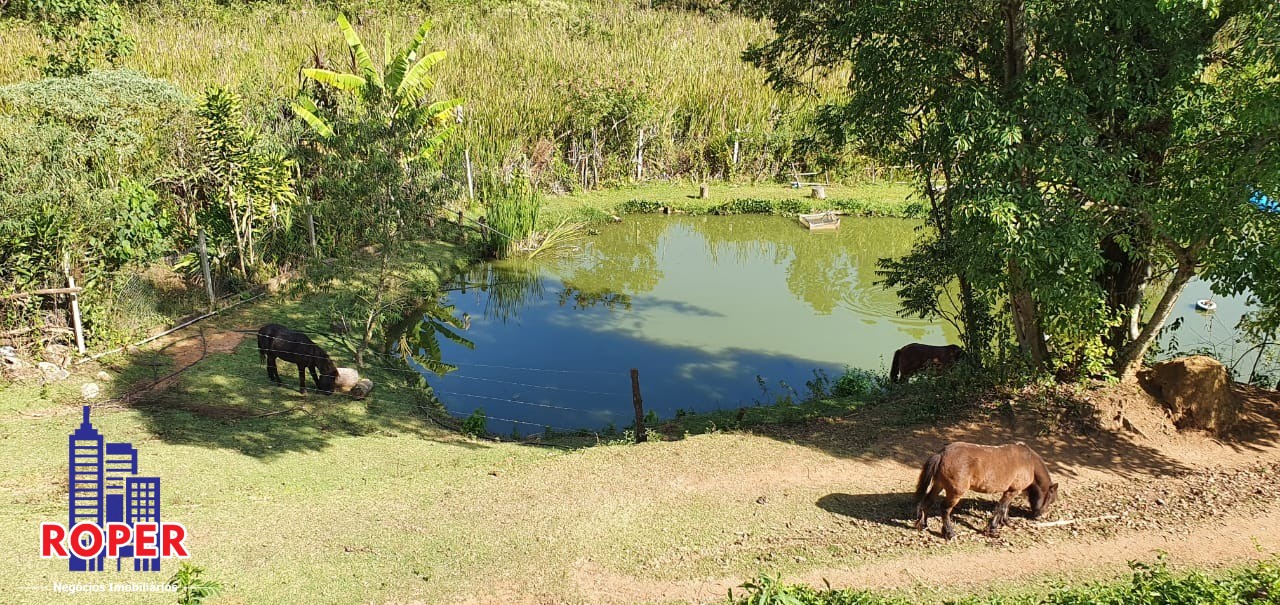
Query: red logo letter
(51, 536)
(118, 534)
(86, 549)
(174, 534)
(144, 542)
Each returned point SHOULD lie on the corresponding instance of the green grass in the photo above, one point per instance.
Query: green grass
(1150, 584)
(512, 61)
(879, 199)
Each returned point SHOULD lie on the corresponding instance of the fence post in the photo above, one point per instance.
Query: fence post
(471, 187)
(640, 155)
(311, 233)
(75, 314)
(704, 192)
(641, 437)
(204, 266)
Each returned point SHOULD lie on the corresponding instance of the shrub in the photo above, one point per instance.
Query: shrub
(856, 382)
(77, 157)
(476, 424)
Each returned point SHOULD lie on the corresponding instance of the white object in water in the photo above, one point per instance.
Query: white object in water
(1206, 305)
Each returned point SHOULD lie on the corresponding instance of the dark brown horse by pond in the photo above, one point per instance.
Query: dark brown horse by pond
(277, 341)
(1009, 469)
(916, 357)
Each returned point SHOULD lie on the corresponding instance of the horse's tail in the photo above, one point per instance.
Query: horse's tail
(894, 374)
(927, 472)
(264, 343)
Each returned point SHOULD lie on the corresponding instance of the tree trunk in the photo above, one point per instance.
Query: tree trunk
(977, 334)
(1014, 13)
(1026, 319)
(248, 231)
(1130, 359)
(235, 230)
(1123, 280)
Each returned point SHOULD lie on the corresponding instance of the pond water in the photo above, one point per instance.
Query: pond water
(714, 312)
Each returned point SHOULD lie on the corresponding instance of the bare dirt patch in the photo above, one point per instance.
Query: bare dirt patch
(829, 499)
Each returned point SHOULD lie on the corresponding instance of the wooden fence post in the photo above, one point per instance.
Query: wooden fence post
(311, 233)
(641, 437)
(471, 187)
(75, 314)
(204, 266)
(704, 192)
(640, 155)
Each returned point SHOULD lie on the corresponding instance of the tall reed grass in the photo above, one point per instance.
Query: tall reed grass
(515, 63)
(512, 213)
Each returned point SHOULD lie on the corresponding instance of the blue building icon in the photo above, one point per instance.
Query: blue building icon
(103, 487)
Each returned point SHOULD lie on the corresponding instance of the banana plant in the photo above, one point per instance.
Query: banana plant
(394, 96)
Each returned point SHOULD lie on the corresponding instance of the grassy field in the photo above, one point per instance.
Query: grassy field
(291, 498)
(522, 66)
(881, 198)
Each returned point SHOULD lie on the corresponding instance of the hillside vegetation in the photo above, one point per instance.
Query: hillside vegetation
(575, 87)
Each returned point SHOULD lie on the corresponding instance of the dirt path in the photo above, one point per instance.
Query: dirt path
(793, 498)
(1217, 543)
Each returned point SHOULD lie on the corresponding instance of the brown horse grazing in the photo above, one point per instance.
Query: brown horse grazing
(275, 340)
(959, 467)
(915, 357)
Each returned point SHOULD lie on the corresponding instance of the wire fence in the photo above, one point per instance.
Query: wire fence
(433, 393)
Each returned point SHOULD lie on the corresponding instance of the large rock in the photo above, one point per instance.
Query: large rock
(350, 382)
(1197, 391)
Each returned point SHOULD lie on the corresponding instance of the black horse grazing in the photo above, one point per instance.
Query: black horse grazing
(275, 340)
(916, 357)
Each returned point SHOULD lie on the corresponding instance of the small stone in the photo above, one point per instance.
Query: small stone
(762, 500)
(103, 376)
(1160, 501)
(52, 371)
(89, 390)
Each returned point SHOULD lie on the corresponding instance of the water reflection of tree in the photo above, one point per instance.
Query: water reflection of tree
(420, 343)
(825, 270)
(585, 299)
(630, 265)
(509, 287)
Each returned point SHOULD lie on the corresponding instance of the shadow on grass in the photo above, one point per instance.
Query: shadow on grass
(908, 423)
(209, 388)
(893, 510)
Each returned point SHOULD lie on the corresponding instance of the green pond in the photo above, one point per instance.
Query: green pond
(714, 312)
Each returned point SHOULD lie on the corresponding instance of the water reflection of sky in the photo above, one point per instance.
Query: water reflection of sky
(702, 306)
